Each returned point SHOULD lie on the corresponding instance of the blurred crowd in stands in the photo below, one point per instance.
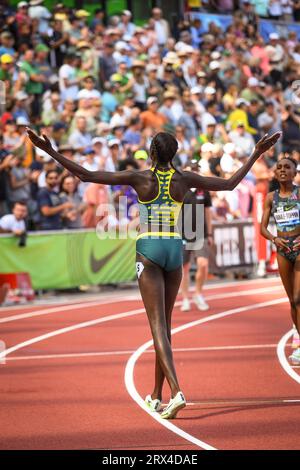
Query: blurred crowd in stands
(100, 88)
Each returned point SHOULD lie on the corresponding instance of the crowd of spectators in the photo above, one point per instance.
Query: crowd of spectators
(100, 88)
(285, 10)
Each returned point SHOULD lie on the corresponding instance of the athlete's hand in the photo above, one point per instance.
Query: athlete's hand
(296, 244)
(266, 142)
(43, 143)
(282, 243)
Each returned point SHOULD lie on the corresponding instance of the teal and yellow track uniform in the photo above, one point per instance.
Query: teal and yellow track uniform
(161, 244)
(286, 212)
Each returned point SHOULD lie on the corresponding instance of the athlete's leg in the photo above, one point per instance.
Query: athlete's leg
(201, 274)
(296, 293)
(172, 283)
(185, 280)
(286, 271)
(152, 286)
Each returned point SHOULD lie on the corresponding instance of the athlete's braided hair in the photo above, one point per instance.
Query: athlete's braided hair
(163, 149)
(291, 159)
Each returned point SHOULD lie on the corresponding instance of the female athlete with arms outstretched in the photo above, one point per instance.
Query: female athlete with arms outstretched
(161, 191)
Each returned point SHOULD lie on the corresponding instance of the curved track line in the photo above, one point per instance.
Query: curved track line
(282, 358)
(129, 370)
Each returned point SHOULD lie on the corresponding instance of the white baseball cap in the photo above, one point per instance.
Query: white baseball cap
(229, 147)
(214, 65)
(252, 81)
(196, 89)
(207, 147)
(112, 142)
(209, 90)
(273, 36)
(152, 99)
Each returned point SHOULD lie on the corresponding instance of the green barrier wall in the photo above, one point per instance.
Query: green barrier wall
(63, 260)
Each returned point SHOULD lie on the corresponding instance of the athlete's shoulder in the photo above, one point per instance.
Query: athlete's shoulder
(270, 196)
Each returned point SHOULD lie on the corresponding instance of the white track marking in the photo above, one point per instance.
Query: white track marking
(129, 370)
(149, 351)
(130, 364)
(88, 323)
(65, 308)
(282, 358)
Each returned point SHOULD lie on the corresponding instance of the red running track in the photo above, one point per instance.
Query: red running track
(65, 388)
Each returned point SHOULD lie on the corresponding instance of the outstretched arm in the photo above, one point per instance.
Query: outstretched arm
(100, 177)
(221, 184)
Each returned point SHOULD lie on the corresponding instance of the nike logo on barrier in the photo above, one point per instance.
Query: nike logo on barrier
(97, 264)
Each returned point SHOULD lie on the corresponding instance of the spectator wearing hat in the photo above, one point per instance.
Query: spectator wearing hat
(22, 16)
(42, 63)
(89, 91)
(125, 25)
(161, 26)
(7, 43)
(21, 106)
(138, 84)
(115, 154)
(242, 139)
(239, 115)
(251, 92)
(6, 71)
(252, 115)
(37, 11)
(141, 158)
(152, 117)
(166, 108)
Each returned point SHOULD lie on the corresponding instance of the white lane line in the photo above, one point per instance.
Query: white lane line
(65, 308)
(229, 403)
(77, 326)
(282, 358)
(129, 370)
(149, 351)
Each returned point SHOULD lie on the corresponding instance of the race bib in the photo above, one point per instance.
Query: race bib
(139, 268)
(287, 215)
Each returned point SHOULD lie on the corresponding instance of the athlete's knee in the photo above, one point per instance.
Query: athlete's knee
(296, 299)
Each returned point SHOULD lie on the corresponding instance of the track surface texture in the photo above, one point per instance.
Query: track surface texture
(75, 374)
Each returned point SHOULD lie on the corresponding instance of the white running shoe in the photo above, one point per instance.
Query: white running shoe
(174, 405)
(296, 339)
(261, 270)
(185, 306)
(295, 357)
(200, 302)
(153, 405)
